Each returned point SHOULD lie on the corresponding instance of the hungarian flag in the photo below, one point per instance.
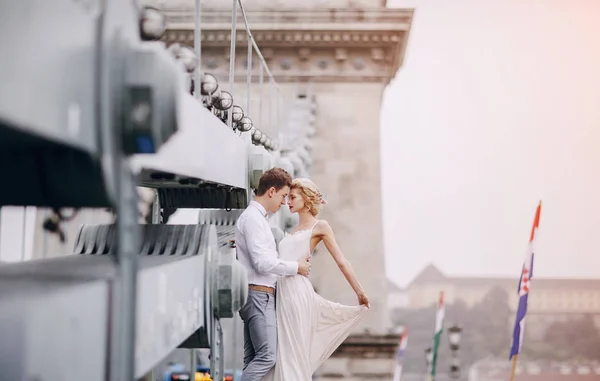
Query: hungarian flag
(523, 290)
(437, 336)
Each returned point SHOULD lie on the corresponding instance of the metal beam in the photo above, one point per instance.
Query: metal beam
(204, 149)
(57, 311)
(53, 328)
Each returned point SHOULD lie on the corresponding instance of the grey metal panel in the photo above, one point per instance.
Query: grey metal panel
(203, 196)
(54, 319)
(71, 267)
(224, 222)
(170, 307)
(53, 329)
(204, 148)
(47, 83)
(173, 302)
(48, 74)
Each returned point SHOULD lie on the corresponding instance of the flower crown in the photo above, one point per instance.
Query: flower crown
(321, 197)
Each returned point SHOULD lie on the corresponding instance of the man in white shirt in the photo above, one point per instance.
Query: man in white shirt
(256, 250)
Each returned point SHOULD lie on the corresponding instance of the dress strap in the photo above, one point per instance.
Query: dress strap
(314, 225)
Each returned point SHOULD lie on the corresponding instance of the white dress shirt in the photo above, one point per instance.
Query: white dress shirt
(256, 248)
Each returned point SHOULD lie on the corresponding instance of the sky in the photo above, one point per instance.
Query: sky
(496, 107)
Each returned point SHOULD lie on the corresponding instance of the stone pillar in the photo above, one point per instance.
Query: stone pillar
(347, 169)
(357, 359)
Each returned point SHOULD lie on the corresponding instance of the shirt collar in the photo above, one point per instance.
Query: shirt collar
(258, 206)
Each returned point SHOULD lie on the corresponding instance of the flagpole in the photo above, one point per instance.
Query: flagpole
(514, 367)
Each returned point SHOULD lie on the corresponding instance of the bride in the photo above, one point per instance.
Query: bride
(309, 327)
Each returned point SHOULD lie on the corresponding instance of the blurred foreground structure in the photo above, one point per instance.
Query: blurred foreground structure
(313, 94)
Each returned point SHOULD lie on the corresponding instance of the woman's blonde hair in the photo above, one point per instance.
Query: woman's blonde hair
(313, 198)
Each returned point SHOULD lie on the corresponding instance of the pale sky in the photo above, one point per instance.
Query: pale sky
(497, 106)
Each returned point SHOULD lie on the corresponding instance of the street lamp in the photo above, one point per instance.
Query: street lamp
(428, 357)
(428, 361)
(454, 339)
(455, 368)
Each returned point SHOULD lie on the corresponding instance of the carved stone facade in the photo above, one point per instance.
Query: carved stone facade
(361, 357)
(271, 5)
(340, 45)
(343, 55)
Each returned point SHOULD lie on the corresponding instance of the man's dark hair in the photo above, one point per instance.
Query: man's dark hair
(276, 178)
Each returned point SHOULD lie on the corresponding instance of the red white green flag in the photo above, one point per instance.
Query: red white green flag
(437, 334)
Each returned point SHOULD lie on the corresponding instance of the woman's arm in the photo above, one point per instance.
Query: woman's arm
(326, 234)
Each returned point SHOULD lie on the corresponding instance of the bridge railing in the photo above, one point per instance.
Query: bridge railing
(259, 109)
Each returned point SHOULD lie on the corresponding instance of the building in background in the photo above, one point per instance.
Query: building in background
(499, 370)
(551, 299)
(563, 319)
(397, 297)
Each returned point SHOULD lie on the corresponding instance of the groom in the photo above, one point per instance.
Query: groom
(256, 250)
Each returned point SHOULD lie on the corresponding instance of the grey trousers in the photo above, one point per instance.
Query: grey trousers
(260, 335)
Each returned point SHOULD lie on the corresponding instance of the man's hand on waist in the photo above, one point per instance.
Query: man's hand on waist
(304, 266)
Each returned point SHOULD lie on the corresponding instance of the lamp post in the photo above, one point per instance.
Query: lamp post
(428, 361)
(454, 339)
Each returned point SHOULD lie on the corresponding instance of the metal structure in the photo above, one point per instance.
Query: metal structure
(91, 107)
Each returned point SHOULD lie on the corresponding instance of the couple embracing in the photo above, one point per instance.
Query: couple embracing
(289, 330)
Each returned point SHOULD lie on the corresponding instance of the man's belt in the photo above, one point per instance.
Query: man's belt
(256, 287)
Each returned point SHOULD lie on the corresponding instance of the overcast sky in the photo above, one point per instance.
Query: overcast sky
(496, 107)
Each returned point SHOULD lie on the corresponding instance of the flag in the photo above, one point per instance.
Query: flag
(524, 287)
(437, 336)
(400, 355)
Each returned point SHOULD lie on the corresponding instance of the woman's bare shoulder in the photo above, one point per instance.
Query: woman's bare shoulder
(322, 228)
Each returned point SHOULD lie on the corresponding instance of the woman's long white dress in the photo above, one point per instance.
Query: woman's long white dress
(309, 327)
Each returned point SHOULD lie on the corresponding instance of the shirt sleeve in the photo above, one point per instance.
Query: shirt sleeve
(262, 256)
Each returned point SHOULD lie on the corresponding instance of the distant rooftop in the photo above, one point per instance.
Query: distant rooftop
(393, 287)
(431, 274)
